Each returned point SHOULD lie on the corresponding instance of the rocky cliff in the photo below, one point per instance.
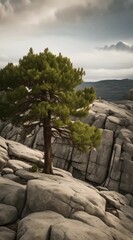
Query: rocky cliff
(111, 165)
(36, 206)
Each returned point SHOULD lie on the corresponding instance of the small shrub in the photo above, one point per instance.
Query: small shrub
(34, 168)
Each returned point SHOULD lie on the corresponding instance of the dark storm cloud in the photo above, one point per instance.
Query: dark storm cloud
(75, 10)
(120, 5)
(120, 46)
(86, 9)
(17, 9)
(91, 18)
(99, 19)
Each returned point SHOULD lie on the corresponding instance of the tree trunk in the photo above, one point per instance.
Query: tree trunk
(47, 145)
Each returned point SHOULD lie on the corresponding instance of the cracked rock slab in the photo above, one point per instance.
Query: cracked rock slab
(115, 199)
(118, 227)
(37, 225)
(49, 225)
(17, 164)
(63, 196)
(22, 152)
(76, 230)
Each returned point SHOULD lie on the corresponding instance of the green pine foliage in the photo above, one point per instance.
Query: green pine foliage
(41, 89)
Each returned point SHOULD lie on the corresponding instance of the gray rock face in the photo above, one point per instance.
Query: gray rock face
(38, 225)
(17, 164)
(110, 165)
(63, 197)
(61, 207)
(130, 94)
(7, 234)
(12, 193)
(6, 170)
(22, 152)
(8, 214)
(50, 225)
(83, 231)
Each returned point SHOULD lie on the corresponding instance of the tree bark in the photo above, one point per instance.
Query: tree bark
(47, 145)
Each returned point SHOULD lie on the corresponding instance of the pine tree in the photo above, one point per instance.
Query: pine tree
(41, 89)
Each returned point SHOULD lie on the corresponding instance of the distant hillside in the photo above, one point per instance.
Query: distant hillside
(110, 90)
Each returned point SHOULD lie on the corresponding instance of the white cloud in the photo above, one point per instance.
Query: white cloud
(104, 65)
(104, 59)
(104, 74)
(71, 27)
(6, 10)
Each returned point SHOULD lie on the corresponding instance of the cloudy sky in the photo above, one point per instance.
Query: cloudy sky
(95, 34)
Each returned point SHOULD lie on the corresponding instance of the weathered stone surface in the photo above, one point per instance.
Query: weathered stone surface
(92, 221)
(37, 175)
(99, 159)
(17, 164)
(8, 214)
(128, 212)
(38, 225)
(126, 218)
(115, 199)
(99, 120)
(130, 94)
(7, 234)
(126, 183)
(22, 152)
(28, 175)
(62, 196)
(125, 133)
(109, 165)
(76, 230)
(6, 129)
(128, 147)
(12, 193)
(39, 139)
(3, 143)
(3, 157)
(53, 226)
(6, 170)
(12, 177)
(118, 227)
(61, 207)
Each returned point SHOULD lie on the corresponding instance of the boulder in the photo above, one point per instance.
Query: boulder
(61, 207)
(17, 164)
(3, 157)
(12, 193)
(7, 234)
(63, 196)
(92, 221)
(38, 225)
(76, 230)
(118, 227)
(3, 143)
(50, 225)
(13, 177)
(22, 152)
(114, 199)
(8, 214)
(6, 170)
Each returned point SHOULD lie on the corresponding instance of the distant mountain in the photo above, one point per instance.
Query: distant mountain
(110, 90)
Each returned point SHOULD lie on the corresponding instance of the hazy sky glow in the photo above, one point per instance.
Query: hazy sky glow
(87, 31)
